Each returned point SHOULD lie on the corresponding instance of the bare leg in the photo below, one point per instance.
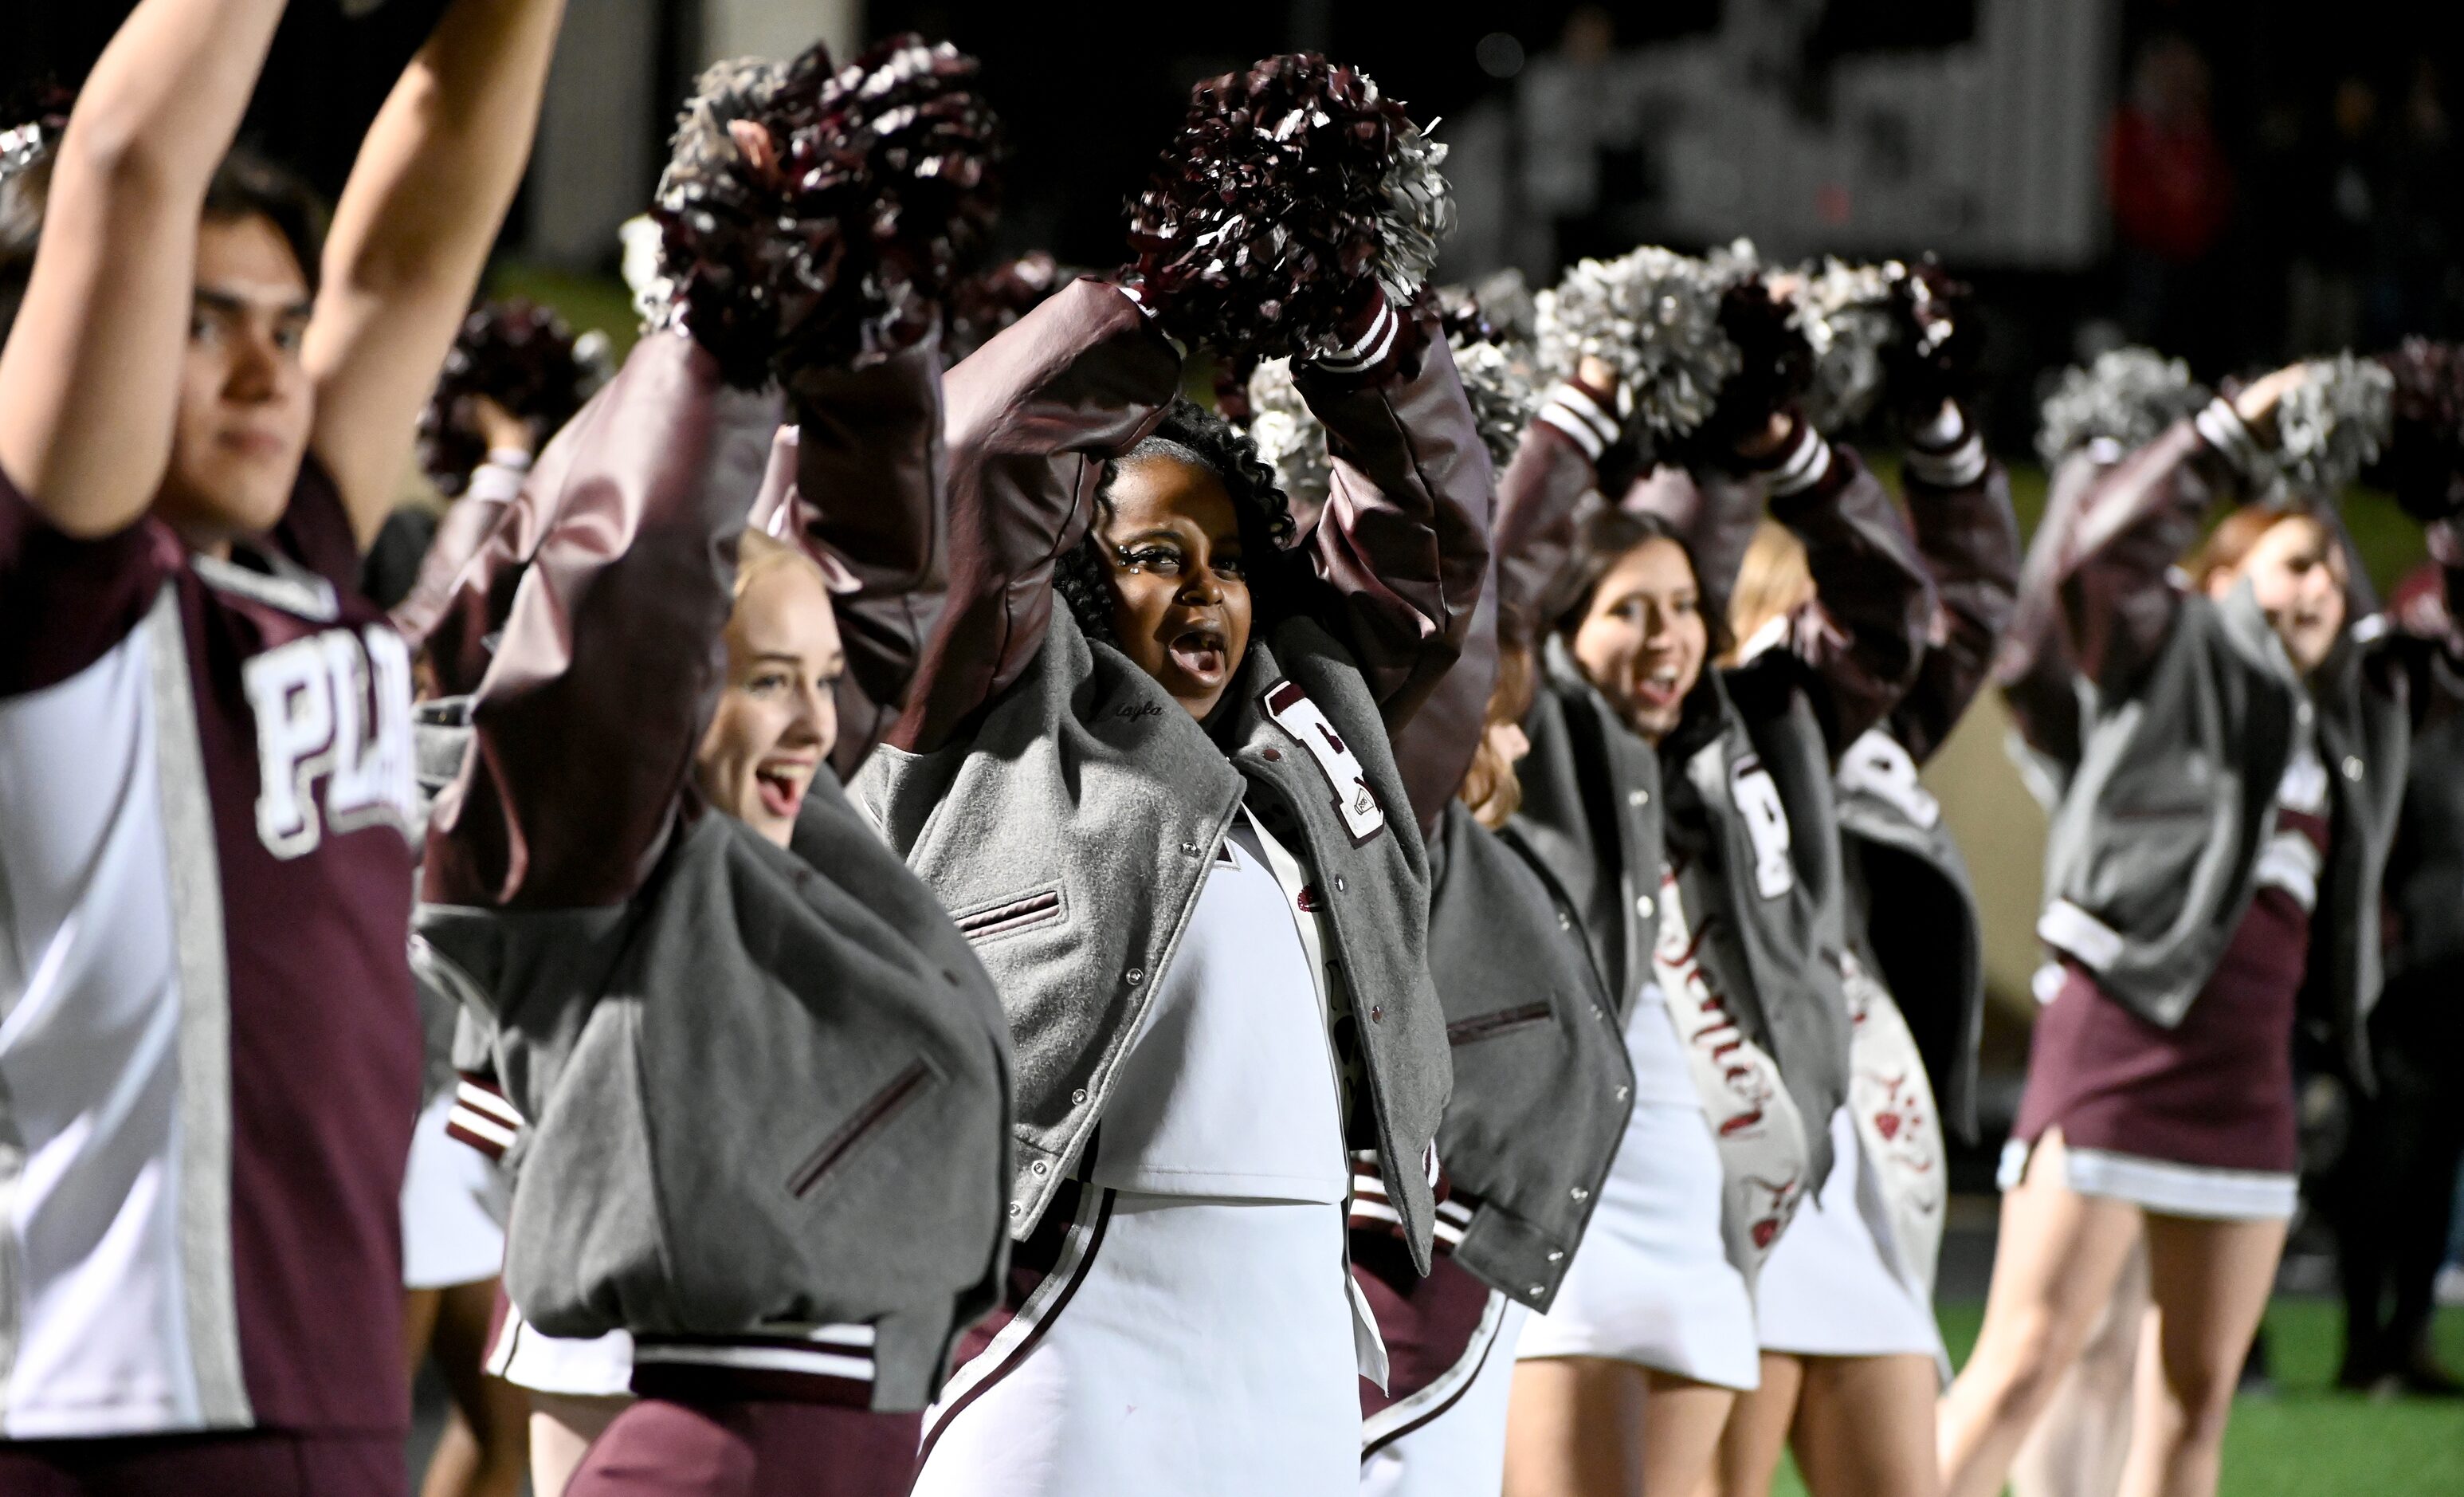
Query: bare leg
(486, 1446)
(1574, 1427)
(562, 1426)
(2211, 1281)
(1865, 1425)
(1757, 1432)
(1681, 1420)
(418, 1325)
(2054, 1272)
(2079, 1441)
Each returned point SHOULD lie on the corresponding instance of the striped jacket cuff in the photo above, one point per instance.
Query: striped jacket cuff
(1946, 454)
(1580, 415)
(481, 1117)
(826, 1364)
(2222, 428)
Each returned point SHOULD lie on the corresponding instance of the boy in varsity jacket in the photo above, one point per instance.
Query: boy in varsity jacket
(214, 1058)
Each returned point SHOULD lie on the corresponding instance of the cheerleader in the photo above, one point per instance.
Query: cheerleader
(1851, 1357)
(1166, 811)
(788, 1004)
(2239, 761)
(1636, 748)
(214, 1065)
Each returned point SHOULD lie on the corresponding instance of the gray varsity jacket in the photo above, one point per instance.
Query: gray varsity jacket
(764, 1090)
(2188, 713)
(1066, 810)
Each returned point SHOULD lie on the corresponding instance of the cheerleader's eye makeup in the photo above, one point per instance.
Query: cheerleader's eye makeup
(1164, 560)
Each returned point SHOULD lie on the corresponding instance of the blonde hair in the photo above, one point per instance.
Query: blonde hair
(758, 555)
(1774, 582)
(1490, 786)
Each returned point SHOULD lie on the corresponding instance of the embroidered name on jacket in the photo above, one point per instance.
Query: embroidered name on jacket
(334, 706)
(1756, 797)
(1290, 708)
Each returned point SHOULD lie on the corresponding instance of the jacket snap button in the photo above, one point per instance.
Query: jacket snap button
(2352, 767)
(1581, 1194)
(1597, 1012)
(1340, 884)
(1137, 975)
(1539, 1289)
(1556, 1255)
(1039, 1167)
(1638, 798)
(1017, 1208)
(1643, 906)
(1079, 1096)
(1623, 1093)
(1189, 848)
(1376, 1013)
(1565, 921)
(1271, 755)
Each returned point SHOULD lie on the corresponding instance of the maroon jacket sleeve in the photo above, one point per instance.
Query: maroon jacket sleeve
(1959, 504)
(1859, 640)
(1402, 548)
(2109, 567)
(612, 651)
(1532, 534)
(858, 480)
(1032, 417)
(459, 536)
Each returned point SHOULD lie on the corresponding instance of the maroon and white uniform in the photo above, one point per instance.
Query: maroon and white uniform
(209, 1051)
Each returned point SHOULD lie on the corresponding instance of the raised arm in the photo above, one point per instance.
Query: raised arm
(1859, 641)
(1959, 504)
(90, 378)
(412, 234)
(612, 651)
(1403, 544)
(858, 480)
(1032, 417)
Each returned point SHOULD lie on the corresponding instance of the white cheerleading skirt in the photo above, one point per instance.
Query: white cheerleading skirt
(1652, 1282)
(1827, 1288)
(1462, 1451)
(586, 1367)
(1181, 1345)
(449, 1233)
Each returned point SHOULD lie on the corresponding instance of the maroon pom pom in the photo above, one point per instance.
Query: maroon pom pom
(994, 297)
(877, 191)
(1933, 356)
(1290, 185)
(1777, 364)
(518, 355)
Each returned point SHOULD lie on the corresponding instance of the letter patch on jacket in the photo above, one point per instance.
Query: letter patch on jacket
(1877, 765)
(1756, 798)
(1355, 803)
(335, 706)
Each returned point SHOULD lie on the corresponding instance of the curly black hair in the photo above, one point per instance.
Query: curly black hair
(1191, 434)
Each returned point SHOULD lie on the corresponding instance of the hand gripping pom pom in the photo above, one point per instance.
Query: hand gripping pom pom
(2125, 399)
(1846, 315)
(1290, 187)
(874, 193)
(2334, 422)
(1932, 356)
(1654, 317)
(521, 356)
(2425, 453)
(1504, 399)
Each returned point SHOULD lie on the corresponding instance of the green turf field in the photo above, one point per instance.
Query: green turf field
(2309, 1440)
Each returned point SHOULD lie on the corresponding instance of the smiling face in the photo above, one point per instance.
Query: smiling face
(245, 400)
(1643, 639)
(2297, 572)
(776, 720)
(1180, 594)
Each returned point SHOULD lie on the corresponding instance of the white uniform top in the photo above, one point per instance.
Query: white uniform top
(1230, 1089)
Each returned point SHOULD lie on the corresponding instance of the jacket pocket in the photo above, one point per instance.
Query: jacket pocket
(1488, 1027)
(1009, 915)
(872, 1118)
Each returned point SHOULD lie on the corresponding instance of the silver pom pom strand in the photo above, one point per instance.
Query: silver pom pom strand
(1844, 311)
(1654, 317)
(1417, 216)
(2126, 398)
(1504, 399)
(1289, 439)
(2335, 423)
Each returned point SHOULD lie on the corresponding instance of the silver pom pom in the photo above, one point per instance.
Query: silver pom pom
(1504, 399)
(703, 151)
(2126, 398)
(1844, 311)
(1418, 215)
(2335, 423)
(1653, 316)
(654, 294)
(1506, 302)
(1289, 439)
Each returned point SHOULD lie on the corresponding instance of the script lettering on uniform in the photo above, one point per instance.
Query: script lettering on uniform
(334, 706)
(1355, 805)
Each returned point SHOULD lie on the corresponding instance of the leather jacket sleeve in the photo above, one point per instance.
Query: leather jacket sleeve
(1959, 505)
(1861, 639)
(2110, 567)
(1032, 417)
(858, 480)
(612, 651)
(1403, 544)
